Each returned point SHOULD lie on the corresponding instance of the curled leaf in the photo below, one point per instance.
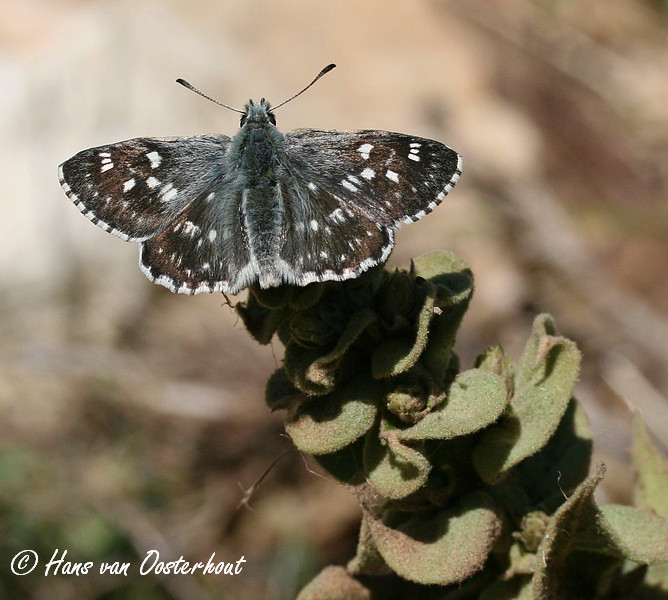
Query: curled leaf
(444, 547)
(474, 400)
(328, 424)
(334, 583)
(454, 285)
(652, 469)
(314, 372)
(393, 468)
(544, 381)
(398, 354)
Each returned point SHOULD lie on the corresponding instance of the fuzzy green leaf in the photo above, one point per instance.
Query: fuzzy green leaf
(394, 469)
(315, 373)
(652, 484)
(544, 381)
(495, 360)
(552, 580)
(261, 322)
(345, 465)
(327, 424)
(334, 583)
(367, 559)
(279, 392)
(585, 547)
(454, 283)
(475, 399)
(562, 464)
(440, 548)
(626, 532)
(398, 354)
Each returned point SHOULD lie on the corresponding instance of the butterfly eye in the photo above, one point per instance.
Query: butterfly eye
(243, 120)
(272, 118)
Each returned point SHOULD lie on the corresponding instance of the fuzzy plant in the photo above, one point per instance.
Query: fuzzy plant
(472, 483)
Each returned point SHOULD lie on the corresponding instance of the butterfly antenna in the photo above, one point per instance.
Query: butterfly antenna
(327, 69)
(192, 88)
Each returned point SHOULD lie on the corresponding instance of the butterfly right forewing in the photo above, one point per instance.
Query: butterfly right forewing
(346, 192)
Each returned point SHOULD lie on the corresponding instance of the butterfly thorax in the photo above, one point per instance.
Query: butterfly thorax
(258, 144)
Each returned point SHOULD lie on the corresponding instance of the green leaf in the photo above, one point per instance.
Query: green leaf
(495, 360)
(652, 483)
(261, 322)
(443, 547)
(314, 372)
(544, 382)
(367, 559)
(551, 580)
(562, 464)
(454, 284)
(334, 583)
(394, 469)
(398, 354)
(626, 532)
(327, 424)
(280, 394)
(474, 400)
(585, 547)
(345, 465)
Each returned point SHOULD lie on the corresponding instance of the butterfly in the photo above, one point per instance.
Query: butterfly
(218, 214)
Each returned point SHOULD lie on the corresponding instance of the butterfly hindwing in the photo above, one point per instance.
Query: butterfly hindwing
(205, 248)
(325, 238)
(134, 189)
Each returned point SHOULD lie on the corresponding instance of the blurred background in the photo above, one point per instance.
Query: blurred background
(133, 419)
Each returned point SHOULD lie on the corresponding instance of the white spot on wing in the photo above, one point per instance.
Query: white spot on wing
(212, 234)
(337, 216)
(155, 159)
(191, 229)
(106, 166)
(152, 182)
(365, 150)
(392, 176)
(368, 173)
(349, 186)
(314, 225)
(129, 184)
(168, 193)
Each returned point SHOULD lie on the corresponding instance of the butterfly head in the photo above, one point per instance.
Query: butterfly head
(259, 113)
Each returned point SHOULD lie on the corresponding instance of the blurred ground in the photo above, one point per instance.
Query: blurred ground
(130, 418)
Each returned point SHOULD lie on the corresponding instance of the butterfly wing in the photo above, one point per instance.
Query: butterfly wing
(205, 249)
(135, 189)
(346, 192)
